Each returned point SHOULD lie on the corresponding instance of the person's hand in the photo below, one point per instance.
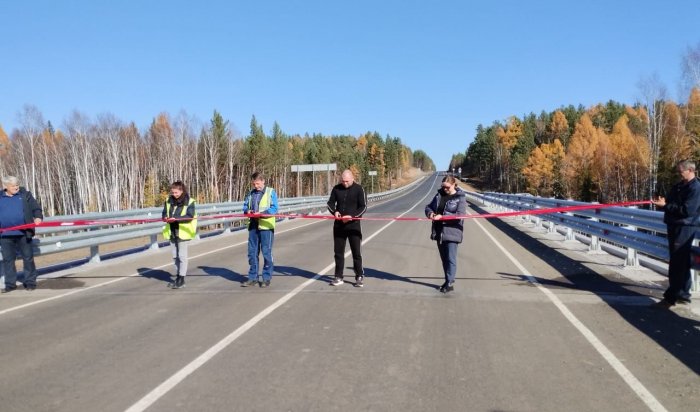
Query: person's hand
(437, 217)
(337, 215)
(170, 219)
(659, 201)
(37, 220)
(346, 218)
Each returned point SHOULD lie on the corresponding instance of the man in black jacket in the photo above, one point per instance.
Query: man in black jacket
(682, 217)
(18, 207)
(347, 201)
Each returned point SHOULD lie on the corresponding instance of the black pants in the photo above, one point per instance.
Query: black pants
(679, 279)
(353, 233)
(9, 246)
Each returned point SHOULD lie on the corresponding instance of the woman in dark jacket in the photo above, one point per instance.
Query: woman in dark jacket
(180, 227)
(450, 200)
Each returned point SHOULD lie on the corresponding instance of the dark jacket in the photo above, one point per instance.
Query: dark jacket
(350, 201)
(31, 209)
(448, 230)
(682, 212)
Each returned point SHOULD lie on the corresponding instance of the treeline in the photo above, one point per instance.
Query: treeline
(107, 164)
(606, 153)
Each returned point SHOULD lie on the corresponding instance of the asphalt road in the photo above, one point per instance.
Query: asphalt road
(531, 327)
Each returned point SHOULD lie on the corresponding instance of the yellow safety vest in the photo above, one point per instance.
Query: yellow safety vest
(264, 223)
(186, 230)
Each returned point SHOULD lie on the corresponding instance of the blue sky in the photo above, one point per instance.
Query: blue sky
(427, 72)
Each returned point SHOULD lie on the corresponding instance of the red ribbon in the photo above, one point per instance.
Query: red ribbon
(111, 222)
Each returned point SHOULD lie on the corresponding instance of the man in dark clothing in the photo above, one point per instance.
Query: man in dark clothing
(347, 201)
(17, 207)
(681, 215)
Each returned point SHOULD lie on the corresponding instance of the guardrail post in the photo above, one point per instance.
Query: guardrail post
(569, 231)
(95, 254)
(552, 228)
(570, 234)
(632, 258)
(595, 241)
(154, 242)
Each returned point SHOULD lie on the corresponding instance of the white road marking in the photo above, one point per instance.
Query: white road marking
(634, 383)
(183, 373)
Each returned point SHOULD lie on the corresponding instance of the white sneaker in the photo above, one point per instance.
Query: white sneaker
(337, 281)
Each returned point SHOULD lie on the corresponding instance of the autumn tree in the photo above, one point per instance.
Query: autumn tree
(558, 128)
(579, 159)
(542, 171)
(507, 139)
(675, 145)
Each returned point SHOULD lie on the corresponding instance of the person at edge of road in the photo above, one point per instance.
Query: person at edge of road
(450, 200)
(682, 217)
(262, 200)
(18, 207)
(347, 201)
(181, 226)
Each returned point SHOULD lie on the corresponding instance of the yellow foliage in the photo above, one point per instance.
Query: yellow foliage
(559, 127)
(361, 145)
(693, 117)
(542, 166)
(4, 142)
(509, 136)
(675, 142)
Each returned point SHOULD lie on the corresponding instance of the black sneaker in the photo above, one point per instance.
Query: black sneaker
(8, 290)
(442, 287)
(179, 282)
(359, 281)
(447, 288)
(337, 281)
(265, 284)
(249, 283)
(29, 287)
(682, 301)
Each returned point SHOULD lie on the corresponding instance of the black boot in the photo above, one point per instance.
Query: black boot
(179, 282)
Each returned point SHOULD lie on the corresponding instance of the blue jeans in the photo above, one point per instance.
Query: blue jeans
(260, 240)
(9, 246)
(448, 255)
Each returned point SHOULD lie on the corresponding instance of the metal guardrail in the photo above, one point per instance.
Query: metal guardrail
(635, 230)
(65, 238)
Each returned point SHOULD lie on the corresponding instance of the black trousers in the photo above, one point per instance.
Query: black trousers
(9, 246)
(679, 280)
(351, 232)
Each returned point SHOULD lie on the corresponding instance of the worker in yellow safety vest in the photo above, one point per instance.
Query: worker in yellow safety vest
(180, 227)
(258, 205)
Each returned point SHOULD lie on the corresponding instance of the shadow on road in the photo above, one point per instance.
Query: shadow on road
(225, 273)
(293, 271)
(374, 273)
(60, 283)
(157, 274)
(678, 335)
